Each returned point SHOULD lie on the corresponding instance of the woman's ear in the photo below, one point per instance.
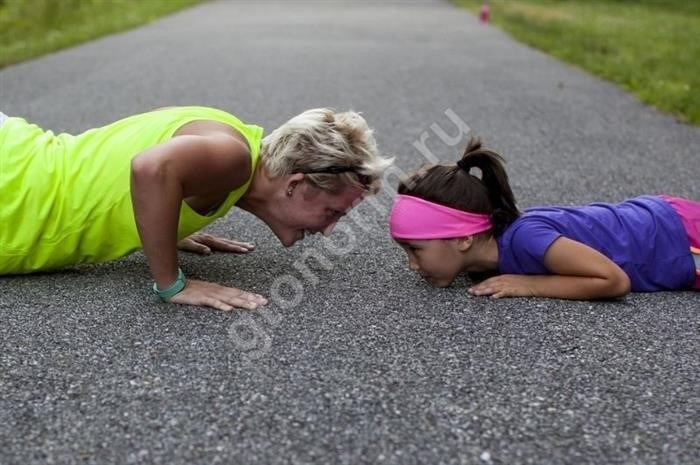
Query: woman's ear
(293, 180)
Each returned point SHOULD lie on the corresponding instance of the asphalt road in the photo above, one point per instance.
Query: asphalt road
(356, 360)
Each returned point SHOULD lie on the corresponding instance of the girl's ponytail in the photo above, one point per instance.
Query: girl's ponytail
(456, 187)
(495, 179)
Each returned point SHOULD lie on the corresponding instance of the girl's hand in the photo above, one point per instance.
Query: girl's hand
(203, 293)
(505, 285)
(206, 244)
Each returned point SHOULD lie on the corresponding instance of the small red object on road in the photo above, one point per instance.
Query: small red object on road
(484, 13)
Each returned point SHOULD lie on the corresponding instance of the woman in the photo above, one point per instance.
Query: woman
(152, 180)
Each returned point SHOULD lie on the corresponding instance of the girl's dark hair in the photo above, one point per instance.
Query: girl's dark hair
(454, 186)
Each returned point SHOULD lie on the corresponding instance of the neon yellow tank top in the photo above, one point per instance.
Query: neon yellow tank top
(65, 200)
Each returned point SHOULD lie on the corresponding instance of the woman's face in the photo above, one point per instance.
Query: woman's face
(307, 209)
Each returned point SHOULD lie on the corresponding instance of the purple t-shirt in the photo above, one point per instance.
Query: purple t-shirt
(644, 236)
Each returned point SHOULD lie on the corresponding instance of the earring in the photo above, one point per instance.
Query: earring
(289, 192)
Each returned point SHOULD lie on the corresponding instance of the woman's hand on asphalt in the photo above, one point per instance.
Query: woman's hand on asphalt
(203, 293)
(206, 244)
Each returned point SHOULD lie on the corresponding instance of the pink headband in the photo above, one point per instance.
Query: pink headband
(414, 218)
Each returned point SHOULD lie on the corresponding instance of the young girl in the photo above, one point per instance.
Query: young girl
(153, 180)
(450, 221)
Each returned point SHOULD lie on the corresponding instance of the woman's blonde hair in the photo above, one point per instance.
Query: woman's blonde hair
(335, 150)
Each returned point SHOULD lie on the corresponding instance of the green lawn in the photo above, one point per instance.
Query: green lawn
(649, 47)
(29, 28)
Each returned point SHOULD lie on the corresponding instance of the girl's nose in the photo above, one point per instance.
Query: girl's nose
(413, 263)
(329, 229)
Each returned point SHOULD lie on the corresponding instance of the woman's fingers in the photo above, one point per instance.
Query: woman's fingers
(217, 304)
(228, 245)
(214, 295)
(204, 243)
(240, 299)
(190, 245)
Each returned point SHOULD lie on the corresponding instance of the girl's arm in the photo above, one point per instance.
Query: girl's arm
(579, 272)
(164, 175)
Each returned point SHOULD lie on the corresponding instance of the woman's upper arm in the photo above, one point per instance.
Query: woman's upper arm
(202, 164)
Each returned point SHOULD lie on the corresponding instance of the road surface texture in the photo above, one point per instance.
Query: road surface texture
(356, 360)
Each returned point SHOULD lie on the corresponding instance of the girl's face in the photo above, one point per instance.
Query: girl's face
(438, 261)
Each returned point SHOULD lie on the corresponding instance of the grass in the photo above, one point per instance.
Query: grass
(29, 28)
(649, 47)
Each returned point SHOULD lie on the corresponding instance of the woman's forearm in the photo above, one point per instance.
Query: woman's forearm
(156, 199)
